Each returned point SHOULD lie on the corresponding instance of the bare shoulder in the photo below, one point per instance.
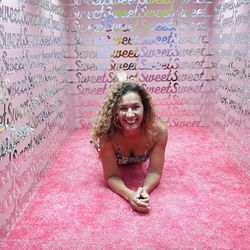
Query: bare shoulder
(108, 158)
(162, 132)
(106, 143)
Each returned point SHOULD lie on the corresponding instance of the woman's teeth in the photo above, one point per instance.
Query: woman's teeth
(130, 122)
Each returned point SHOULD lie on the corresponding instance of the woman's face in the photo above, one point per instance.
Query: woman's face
(130, 111)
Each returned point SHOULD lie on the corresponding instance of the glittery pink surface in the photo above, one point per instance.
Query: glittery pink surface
(203, 201)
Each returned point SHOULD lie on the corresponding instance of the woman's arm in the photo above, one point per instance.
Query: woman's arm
(113, 179)
(157, 155)
(110, 170)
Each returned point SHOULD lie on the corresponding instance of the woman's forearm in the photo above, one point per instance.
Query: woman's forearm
(151, 181)
(116, 184)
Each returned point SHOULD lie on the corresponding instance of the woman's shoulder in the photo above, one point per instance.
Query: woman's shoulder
(105, 140)
(162, 131)
(108, 141)
(162, 126)
(106, 145)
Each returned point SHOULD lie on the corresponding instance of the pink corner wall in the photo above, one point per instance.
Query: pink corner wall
(35, 110)
(229, 113)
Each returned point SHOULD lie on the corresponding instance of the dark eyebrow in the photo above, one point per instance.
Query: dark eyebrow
(132, 104)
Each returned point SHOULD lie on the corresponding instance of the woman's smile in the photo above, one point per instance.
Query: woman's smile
(130, 121)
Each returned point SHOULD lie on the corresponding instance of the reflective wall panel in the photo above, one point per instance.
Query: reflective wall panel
(229, 113)
(163, 45)
(35, 110)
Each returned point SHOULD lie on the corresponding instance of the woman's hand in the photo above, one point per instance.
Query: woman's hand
(142, 195)
(139, 200)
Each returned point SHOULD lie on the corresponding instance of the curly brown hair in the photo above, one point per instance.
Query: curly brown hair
(106, 123)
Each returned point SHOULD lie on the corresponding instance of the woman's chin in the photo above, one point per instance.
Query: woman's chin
(131, 127)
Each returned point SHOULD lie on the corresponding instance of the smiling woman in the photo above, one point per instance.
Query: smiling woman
(128, 131)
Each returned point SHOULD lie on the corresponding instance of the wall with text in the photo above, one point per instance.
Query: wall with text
(34, 106)
(161, 44)
(229, 113)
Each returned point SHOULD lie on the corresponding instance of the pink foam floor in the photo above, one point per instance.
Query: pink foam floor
(203, 201)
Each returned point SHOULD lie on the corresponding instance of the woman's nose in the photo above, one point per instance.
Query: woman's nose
(130, 113)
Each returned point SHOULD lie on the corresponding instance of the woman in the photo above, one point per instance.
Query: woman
(126, 131)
